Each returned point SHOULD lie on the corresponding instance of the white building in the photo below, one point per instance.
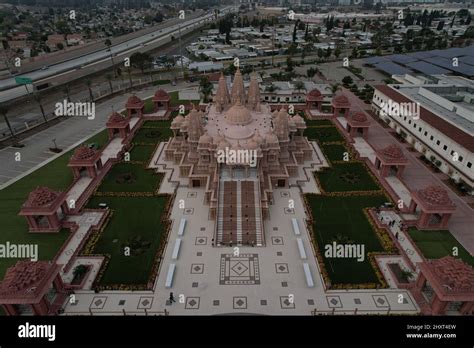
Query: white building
(443, 129)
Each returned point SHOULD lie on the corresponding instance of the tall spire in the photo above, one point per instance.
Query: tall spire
(238, 91)
(222, 94)
(195, 124)
(254, 93)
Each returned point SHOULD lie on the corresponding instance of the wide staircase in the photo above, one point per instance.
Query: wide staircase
(239, 217)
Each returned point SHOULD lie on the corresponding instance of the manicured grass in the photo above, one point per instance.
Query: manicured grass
(334, 152)
(437, 244)
(152, 135)
(133, 217)
(128, 177)
(141, 153)
(157, 124)
(149, 106)
(324, 134)
(55, 175)
(343, 177)
(342, 218)
(324, 122)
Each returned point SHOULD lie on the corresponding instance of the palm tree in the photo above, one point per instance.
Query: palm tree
(109, 78)
(336, 87)
(130, 77)
(108, 43)
(89, 87)
(206, 88)
(3, 111)
(38, 100)
(299, 85)
(271, 88)
(67, 91)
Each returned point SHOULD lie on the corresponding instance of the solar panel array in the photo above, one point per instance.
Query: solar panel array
(433, 62)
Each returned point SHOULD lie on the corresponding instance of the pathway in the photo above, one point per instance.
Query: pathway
(417, 176)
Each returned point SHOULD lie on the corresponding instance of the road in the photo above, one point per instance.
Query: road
(67, 133)
(102, 57)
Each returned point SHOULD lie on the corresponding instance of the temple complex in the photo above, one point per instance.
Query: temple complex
(239, 151)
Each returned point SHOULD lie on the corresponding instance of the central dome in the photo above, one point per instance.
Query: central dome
(238, 114)
(238, 132)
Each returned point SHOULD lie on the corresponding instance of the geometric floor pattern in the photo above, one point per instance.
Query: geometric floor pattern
(239, 270)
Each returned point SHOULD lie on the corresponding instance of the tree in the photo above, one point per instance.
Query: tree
(141, 60)
(4, 111)
(347, 80)
(334, 88)
(67, 91)
(205, 87)
(320, 53)
(109, 78)
(40, 103)
(271, 88)
(311, 72)
(289, 64)
(337, 52)
(299, 85)
(89, 87)
(328, 52)
(294, 31)
(108, 43)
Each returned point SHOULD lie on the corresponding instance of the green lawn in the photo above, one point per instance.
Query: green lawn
(324, 134)
(55, 175)
(334, 152)
(136, 224)
(152, 136)
(437, 244)
(157, 124)
(342, 219)
(149, 106)
(324, 122)
(141, 153)
(128, 177)
(343, 177)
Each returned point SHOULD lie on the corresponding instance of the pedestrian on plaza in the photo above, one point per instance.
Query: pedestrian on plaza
(172, 298)
(396, 235)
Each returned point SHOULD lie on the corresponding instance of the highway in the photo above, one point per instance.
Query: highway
(10, 90)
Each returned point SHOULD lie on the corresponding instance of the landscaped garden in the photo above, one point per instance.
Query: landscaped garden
(55, 175)
(437, 244)
(323, 134)
(129, 177)
(136, 224)
(133, 236)
(141, 153)
(344, 177)
(335, 152)
(342, 220)
(348, 189)
(152, 135)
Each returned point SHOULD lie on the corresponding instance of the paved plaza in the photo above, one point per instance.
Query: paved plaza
(255, 280)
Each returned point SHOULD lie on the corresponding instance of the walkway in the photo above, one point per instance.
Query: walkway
(417, 176)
